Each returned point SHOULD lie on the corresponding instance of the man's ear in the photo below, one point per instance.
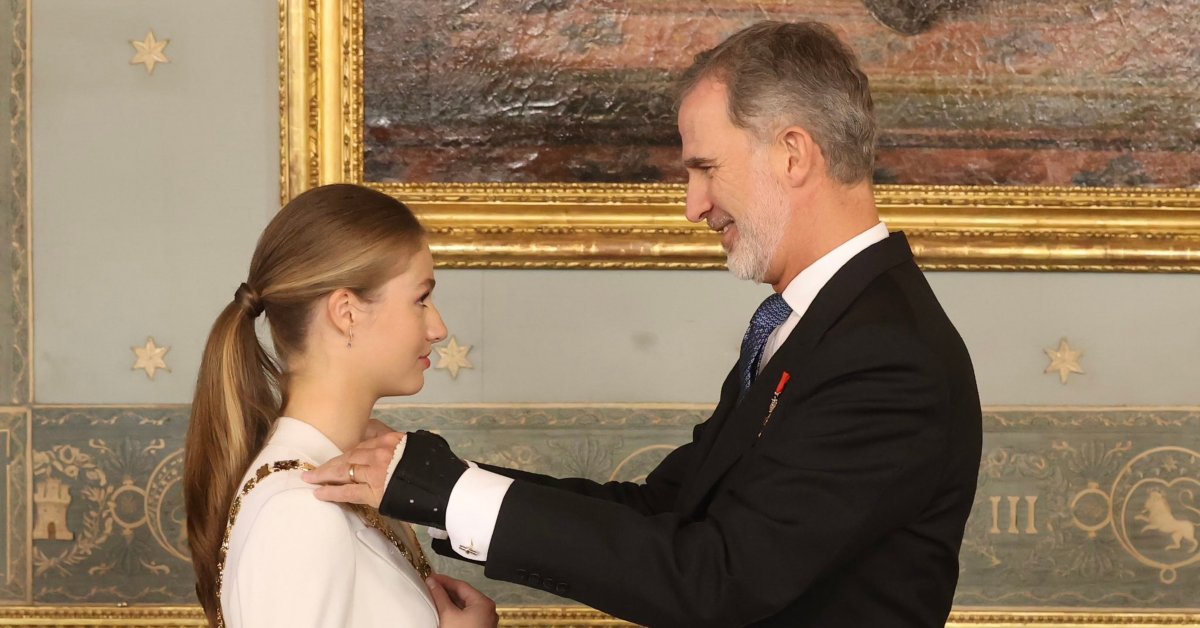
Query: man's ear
(801, 154)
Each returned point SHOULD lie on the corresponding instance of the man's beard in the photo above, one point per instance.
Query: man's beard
(759, 231)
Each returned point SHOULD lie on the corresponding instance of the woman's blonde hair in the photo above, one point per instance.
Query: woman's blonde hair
(330, 237)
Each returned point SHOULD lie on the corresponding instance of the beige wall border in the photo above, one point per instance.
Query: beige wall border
(631, 226)
(565, 617)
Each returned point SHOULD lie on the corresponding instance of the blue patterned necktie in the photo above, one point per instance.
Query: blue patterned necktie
(771, 314)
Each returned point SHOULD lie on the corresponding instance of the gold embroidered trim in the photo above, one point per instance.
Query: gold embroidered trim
(369, 516)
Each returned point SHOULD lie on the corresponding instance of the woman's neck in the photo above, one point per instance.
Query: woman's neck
(330, 405)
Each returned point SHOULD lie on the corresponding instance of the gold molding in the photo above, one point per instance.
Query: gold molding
(565, 617)
(642, 226)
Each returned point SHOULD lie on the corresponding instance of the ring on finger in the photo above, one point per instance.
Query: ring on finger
(352, 479)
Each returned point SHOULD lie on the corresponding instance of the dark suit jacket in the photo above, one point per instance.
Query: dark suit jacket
(848, 511)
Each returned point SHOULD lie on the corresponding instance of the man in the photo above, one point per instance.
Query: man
(832, 483)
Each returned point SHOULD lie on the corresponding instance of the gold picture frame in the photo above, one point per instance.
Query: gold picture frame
(551, 616)
(628, 226)
(642, 226)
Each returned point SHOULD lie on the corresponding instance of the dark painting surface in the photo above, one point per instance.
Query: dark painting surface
(973, 92)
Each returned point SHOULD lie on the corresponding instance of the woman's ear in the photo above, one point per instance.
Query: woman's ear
(341, 309)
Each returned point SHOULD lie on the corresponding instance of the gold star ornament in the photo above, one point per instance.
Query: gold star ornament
(1065, 360)
(150, 358)
(149, 52)
(454, 357)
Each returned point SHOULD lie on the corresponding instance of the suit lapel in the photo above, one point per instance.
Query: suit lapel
(740, 423)
(725, 407)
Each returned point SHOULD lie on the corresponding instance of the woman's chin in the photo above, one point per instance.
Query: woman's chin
(407, 389)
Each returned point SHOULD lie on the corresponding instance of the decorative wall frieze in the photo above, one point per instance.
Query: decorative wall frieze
(1076, 508)
(15, 381)
(14, 501)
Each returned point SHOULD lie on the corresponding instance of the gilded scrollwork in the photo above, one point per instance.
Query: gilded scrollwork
(557, 616)
(518, 225)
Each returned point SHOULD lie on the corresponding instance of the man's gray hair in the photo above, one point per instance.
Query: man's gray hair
(779, 74)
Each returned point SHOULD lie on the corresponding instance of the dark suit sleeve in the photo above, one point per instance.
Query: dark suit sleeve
(851, 452)
(656, 495)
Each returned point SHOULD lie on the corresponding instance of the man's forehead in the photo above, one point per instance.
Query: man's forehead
(704, 116)
(707, 93)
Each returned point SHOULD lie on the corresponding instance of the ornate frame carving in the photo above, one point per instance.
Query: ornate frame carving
(554, 616)
(642, 226)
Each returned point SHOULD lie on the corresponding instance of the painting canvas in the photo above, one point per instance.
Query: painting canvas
(1081, 93)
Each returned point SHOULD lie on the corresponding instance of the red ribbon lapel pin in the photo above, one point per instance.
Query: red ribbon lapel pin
(783, 380)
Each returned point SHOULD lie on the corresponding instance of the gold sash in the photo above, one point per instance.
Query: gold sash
(369, 516)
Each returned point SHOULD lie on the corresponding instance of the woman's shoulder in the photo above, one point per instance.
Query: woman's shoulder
(280, 504)
(283, 494)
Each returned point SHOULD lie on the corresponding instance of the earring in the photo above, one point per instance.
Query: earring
(350, 340)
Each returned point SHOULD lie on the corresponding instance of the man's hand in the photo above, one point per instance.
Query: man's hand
(419, 488)
(370, 461)
(374, 428)
(460, 605)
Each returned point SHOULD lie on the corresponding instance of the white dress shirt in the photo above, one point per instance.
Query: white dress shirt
(296, 561)
(799, 294)
(475, 500)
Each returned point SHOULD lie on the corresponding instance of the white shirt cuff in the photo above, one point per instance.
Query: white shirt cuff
(472, 510)
(438, 533)
(397, 454)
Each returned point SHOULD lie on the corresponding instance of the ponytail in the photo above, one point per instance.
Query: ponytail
(329, 237)
(232, 412)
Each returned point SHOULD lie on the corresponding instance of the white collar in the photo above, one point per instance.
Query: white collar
(800, 293)
(303, 438)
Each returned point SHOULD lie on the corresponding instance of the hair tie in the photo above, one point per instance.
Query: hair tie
(248, 298)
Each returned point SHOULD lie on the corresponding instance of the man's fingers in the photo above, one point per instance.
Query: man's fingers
(387, 440)
(346, 494)
(370, 458)
(375, 428)
(335, 471)
(441, 600)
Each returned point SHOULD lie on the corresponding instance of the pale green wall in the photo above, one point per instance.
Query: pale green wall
(149, 192)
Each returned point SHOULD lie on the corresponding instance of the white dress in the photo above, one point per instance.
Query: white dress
(296, 561)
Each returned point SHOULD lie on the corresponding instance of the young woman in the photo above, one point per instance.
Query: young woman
(344, 278)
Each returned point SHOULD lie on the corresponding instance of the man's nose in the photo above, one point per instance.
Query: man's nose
(698, 203)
